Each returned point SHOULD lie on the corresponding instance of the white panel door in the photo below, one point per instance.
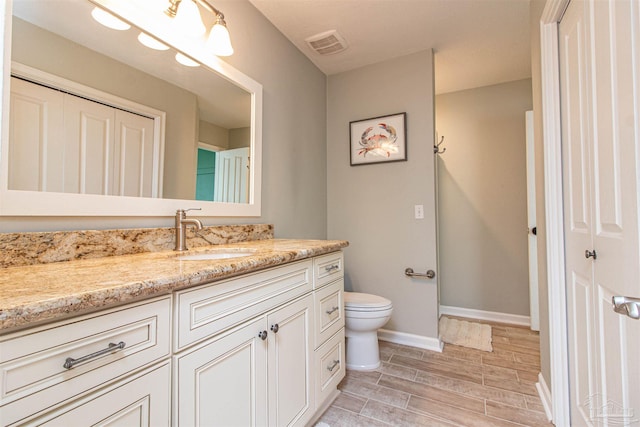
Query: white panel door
(599, 54)
(232, 176)
(534, 309)
(36, 137)
(88, 146)
(577, 209)
(615, 33)
(135, 169)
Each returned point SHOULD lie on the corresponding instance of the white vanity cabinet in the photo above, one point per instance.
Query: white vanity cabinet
(255, 374)
(260, 349)
(58, 369)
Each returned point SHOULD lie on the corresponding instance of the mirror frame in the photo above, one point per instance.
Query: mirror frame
(155, 23)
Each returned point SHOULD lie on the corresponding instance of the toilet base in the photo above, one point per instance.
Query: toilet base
(362, 351)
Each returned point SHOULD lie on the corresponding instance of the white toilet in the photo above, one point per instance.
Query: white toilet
(364, 315)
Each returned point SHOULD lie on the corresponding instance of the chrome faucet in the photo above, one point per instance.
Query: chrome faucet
(181, 227)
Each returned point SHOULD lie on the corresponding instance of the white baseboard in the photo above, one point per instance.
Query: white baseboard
(492, 316)
(419, 341)
(545, 396)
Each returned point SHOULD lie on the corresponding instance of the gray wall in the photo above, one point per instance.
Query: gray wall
(372, 205)
(536, 8)
(213, 134)
(482, 199)
(294, 136)
(239, 137)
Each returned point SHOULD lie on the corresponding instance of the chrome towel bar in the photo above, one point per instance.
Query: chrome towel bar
(430, 274)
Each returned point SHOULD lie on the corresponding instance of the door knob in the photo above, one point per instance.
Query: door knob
(590, 254)
(628, 306)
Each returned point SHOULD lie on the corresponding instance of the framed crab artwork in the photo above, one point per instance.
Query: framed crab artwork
(378, 139)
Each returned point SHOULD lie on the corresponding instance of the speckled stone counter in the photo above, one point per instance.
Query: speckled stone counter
(18, 249)
(35, 294)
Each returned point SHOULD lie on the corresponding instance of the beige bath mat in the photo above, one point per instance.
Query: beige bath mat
(466, 334)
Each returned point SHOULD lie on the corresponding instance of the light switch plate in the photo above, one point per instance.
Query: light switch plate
(418, 211)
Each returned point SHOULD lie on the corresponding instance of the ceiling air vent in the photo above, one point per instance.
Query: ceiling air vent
(327, 43)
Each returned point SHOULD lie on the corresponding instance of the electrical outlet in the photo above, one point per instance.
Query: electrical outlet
(418, 211)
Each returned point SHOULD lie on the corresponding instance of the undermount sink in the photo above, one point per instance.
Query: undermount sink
(203, 256)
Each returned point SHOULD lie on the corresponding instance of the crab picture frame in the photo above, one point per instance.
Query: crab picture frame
(378, 139)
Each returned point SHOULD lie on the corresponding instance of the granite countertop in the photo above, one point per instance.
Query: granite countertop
(35, 294)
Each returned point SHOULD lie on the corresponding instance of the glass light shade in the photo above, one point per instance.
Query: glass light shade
(188, 19)
(108, 20)
(186, 61)
(219, 41)
(151, 43)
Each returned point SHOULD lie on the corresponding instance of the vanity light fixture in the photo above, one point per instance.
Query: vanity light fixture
(108, 20)
(151, 42)
(186, 61)
(189, 19)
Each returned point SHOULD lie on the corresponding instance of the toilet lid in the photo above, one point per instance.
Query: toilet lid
(357, 300)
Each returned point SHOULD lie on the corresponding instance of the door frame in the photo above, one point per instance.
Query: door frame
(552, 137)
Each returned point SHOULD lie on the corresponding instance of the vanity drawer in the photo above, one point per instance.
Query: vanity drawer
(143, 399)
(330, 367)
(33, 375)
(329, 311)
(210, 309)
(328, 268)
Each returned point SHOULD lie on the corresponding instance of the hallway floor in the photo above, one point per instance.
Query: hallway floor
(458, 387)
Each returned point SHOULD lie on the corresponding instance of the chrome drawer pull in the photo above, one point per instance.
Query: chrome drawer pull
(334, 309)
(330, 268)
(71, 362)
(331, 367)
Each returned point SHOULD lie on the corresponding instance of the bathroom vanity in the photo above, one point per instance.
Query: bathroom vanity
(153, 339)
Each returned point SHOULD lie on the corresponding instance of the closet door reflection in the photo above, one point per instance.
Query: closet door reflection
(65, 143)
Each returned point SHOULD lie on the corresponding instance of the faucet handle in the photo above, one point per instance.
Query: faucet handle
(184, 211)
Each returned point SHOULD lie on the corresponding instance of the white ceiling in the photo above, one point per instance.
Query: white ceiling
(476, 42)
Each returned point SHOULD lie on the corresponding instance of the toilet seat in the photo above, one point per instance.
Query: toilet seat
(356, 301)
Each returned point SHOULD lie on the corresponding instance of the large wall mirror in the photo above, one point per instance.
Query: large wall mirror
(97, 124)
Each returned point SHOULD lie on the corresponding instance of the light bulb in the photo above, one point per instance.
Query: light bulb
(151, 43)
(186, 61)
(188, 19)
(108, 20)
(219, 41)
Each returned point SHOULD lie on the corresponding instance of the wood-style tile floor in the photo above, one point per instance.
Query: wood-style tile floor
(458, 387)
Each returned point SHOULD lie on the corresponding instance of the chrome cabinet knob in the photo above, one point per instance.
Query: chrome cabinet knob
(590, 254)
(262, 335)
(275, 328)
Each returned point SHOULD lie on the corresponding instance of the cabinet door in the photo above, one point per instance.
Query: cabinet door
(290, 357)
(224, 383)
(142, 400)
